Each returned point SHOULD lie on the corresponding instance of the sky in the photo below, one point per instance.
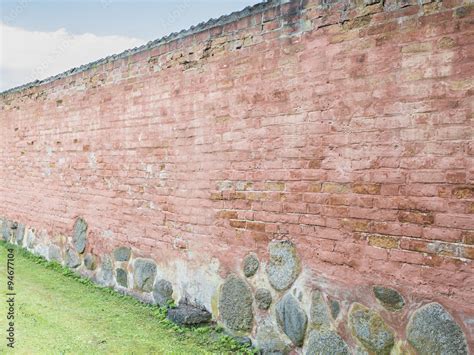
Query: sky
(41, 38)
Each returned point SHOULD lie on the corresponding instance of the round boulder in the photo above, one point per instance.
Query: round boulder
(370, 329)
(89, 262)
(144, 274)
(54, 253)
(122, 254)
(270, 341)
(263, 298)
(335, 308)
(105, 276)
(389, 298)
(319, 312)
(79, 235)
(235, 304)
(30, 239)
(326, 342)
(72, 259)
(187, 315)
(20, 233)
(6, 230)
(283, 267)
(432, 330)
(162, 292)
(250, 265)
(292, 319)
(121, 277)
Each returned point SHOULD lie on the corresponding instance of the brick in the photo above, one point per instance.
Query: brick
(227, 214)
(275, 186)
(383, 241)
(462, 192)
(415, 245)
(237, 224)
(256, 226)
(468, 237)
(369, 189)
(416, 217)
(331, 187)
(454, 221)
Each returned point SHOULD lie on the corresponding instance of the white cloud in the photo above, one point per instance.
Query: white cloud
(30, 55)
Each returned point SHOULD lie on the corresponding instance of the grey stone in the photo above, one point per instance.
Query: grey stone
(269, 340)
(283, 267)
(250, 265)
(389, 298)
(162, 292)
(105, 275)
(72, 259)
(370, 329)
(235, 304)
(80, 235)
(371, 2)
(360, 351)
(246, 341)
(42, 250)
(263, 298)
(30, 239)
(6, 230)
(335, 308)
(122, 254)
(20, 233)
(144, 274)
(89, 262)
(121, 277)
(432, 330)
(54, 253)
(186, 314)
(326, 342)
(319, 313)
(292, 319)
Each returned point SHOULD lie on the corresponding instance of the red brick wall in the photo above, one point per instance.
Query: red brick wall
(347, 131)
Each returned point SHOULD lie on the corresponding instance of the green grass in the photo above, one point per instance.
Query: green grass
(58, 312)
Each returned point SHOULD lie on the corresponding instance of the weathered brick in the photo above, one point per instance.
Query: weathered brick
(416, 217)
(332, 187)
(237, 224)
(468, 237)
(370, 189)
(383, 241)
(227, 214)
(275, 186)
(463, 192)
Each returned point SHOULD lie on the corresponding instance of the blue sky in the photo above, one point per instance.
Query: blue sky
(39, 38)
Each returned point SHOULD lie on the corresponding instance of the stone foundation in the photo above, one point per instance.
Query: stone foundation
(302, 170)
(276, 303)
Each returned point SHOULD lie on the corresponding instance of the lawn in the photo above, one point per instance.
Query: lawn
(59, 313)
